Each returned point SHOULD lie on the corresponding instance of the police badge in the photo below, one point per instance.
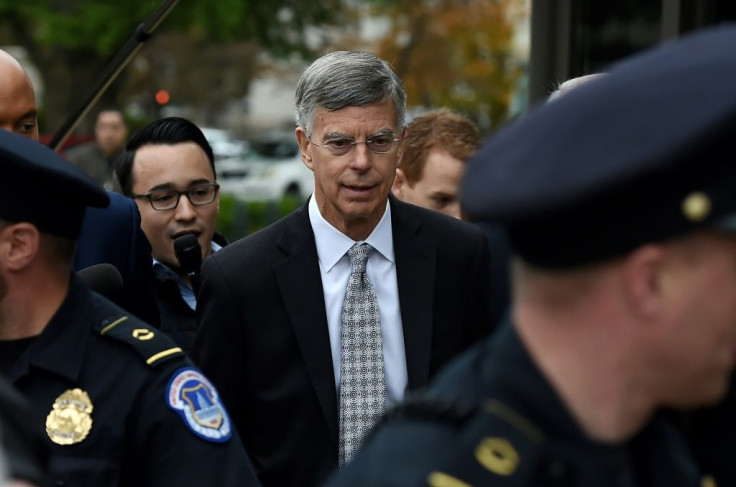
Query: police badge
(196, 400)
(70, 419)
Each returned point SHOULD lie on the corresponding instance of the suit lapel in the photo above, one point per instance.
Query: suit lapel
(415, 273)
(299, 280)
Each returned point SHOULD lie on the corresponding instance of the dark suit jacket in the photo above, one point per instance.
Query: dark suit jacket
(263, 336)
(113, 235)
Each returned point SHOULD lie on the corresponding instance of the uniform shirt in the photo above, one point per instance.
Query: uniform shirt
(119, 404)
(335, 269)
(492, 419)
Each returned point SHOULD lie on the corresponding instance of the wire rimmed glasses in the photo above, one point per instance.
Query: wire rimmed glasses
(379, 144)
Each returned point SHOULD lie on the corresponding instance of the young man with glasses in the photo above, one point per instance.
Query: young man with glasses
(168, 168)
(279, 309)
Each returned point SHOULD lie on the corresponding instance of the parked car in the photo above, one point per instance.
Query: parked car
(223, 144)
(272, 169)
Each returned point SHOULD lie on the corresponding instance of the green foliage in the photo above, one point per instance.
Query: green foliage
(85, 25)
(101, 27)
(454, 54)
(238, 219)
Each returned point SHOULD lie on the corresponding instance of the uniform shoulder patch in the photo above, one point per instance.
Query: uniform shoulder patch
(191, 395)
(151, 344)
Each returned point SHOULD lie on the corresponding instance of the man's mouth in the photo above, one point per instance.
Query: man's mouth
(359, 189)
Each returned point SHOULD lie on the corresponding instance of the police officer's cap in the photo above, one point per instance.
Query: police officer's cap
(41, 187)
(643, 154)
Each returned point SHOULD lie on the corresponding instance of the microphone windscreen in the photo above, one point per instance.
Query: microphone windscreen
(188, 252)
(104, 279)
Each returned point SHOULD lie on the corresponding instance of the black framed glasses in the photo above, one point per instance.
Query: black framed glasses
(168, 199)
(339, 146)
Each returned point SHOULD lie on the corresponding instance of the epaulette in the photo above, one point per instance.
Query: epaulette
(497, 446)
(155, 347)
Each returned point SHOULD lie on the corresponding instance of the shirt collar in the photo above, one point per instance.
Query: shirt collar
(332, 244)
(60, 346)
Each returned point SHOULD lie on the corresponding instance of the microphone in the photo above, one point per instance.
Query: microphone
(104, 279)
(189, 254)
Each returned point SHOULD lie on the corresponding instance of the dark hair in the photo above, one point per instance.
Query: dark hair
(166, 131)
(109, 108)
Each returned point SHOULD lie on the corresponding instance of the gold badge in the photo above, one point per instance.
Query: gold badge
(696, 206)
(497, 455)
(70, 419)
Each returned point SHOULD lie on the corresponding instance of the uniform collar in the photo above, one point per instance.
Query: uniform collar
(60, 347)
(531, 395)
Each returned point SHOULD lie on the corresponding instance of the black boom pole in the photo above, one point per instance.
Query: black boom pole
(142, 33)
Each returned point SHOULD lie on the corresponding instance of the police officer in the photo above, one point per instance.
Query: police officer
(620, 202)
(118, 402)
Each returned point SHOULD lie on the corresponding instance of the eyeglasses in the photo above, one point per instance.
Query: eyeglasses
(168, 199)
(380, 144)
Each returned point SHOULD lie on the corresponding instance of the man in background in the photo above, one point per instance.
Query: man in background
(18, 109)
(168, 168)
(97, 158)
(436, 149)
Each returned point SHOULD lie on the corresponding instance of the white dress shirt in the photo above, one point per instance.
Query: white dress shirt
(334, 268)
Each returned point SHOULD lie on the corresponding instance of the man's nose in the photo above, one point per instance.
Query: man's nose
(361, 156)
(185, 209)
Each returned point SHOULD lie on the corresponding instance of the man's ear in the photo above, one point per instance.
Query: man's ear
(643, 274)
(19, 245)
(399, 184)
(304, 149)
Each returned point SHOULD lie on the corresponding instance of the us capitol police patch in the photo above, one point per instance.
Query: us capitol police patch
(196, 400)
(70, 419)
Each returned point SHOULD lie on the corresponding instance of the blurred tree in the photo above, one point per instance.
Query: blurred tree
(455, 53)
(71, 41)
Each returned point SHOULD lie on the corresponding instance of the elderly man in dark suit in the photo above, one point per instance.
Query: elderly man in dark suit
(307, 340)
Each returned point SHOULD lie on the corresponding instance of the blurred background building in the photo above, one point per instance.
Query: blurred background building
(570, 38)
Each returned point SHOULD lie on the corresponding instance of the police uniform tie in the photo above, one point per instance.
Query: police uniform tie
(362, 380)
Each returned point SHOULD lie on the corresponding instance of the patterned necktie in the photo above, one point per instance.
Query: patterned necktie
(362, 381)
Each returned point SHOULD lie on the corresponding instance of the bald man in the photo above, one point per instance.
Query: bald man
(18, 109)
(111, 234)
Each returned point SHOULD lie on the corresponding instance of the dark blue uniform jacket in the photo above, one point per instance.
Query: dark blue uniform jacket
(492, 419)
(121, 405)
